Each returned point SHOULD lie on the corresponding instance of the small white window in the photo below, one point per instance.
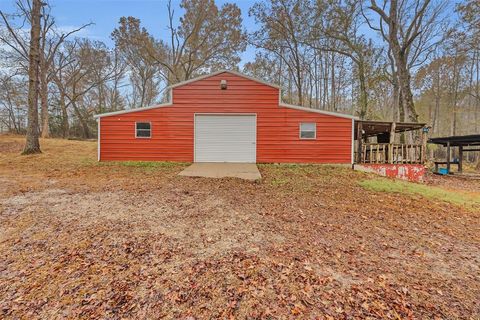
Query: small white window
(143, 130)
(308, 130)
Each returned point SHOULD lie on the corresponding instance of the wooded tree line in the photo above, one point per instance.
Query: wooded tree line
(408, 60)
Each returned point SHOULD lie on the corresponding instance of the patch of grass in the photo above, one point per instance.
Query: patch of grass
(143, 164)
(279, 181)
(61, 155)
(291, 170)
(301, 178)
(436, 193)
(87, 161)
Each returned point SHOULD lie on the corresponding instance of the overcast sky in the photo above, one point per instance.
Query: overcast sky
(106, 14)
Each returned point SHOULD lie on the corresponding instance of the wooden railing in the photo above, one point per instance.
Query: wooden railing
(391, 153)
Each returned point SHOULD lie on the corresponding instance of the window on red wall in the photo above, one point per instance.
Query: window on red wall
(308, 130)
(143, 130)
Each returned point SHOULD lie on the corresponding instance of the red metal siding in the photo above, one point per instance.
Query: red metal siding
(277, 126)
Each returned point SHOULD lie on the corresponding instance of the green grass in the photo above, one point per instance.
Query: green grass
(302, 178)
(435, 193)
(147, 165)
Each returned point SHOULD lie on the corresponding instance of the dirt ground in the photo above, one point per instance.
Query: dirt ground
(87, 240)
(468, 182)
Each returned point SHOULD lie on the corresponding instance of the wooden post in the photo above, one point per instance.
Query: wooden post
(392, 132)
(448, 156)
(423, 149)
(460, 158)
(392, 141)
(390, 152)
(359, 140)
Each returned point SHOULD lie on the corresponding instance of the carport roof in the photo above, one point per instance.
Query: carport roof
(468, 140)
(374, 128)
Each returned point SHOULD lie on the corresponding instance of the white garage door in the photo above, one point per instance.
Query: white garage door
(225, 138)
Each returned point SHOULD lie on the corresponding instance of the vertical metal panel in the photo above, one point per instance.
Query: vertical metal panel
(277, 126)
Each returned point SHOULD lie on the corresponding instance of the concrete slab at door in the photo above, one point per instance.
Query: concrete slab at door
(248, 171)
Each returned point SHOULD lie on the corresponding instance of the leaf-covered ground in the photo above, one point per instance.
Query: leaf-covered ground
(88, 240)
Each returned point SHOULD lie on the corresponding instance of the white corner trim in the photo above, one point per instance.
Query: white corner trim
(98, 139)
(353, 141)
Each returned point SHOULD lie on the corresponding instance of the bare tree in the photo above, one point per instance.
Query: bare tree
(83, 66)
(406, 26)
(13, 103)
(282, 27)
(32, 144)
(264, 67)
(50, 40)
(341, 24)
(133, 42)
(206, 38)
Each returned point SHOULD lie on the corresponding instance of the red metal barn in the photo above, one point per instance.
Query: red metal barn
(226, 117)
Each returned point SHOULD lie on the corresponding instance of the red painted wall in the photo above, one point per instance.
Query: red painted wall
(277, 126)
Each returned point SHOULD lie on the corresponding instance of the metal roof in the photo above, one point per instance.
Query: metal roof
(223, 71)
(468, 140)
(280, 103)
(374, 128)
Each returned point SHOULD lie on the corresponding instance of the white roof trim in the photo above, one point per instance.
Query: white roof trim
(328, 113)
(114, 113)
(223, 71)
(280, 103)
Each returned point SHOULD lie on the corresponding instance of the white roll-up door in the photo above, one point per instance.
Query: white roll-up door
(225, 138)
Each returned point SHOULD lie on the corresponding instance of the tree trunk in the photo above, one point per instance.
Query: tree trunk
(396, 99)
(401, 114)
(455, 94)
(44, 103)
(363, 101)
(65, 125)
(83, 122)
(299, 86)
(406, 91)
(326, 101)
(290, 88)
(316, 82)
(32, 144)
(144, 89)
(332, 83)
(437, 101)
